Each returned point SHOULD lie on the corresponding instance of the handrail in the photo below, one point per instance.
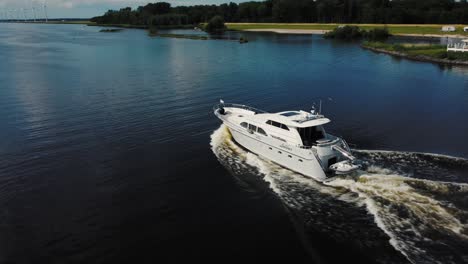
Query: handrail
(332, 141)
(347, 148)
(309, 118)
(317, 157)
(344, 152)
(245, 107)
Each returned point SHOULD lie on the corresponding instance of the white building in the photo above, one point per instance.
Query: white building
(449, 29)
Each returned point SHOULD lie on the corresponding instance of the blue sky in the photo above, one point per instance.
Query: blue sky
(81, 8)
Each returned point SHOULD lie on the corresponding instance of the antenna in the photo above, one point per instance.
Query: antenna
(45, 11)
(24, 14)
(17, 15)
(25, 11)
(320, 107)
(34, 10)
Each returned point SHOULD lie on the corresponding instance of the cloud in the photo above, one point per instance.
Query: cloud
(68, 4)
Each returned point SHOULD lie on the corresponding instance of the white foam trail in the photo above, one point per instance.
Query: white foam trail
(224, 148)
(390, 152)
(394, 190)
(404, 213)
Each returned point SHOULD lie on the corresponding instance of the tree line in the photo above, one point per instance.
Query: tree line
(296, 11)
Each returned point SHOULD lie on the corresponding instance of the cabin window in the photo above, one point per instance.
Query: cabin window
(253, 128)
(244, 125)
(261, 131)
(310, 135)
(278, 125)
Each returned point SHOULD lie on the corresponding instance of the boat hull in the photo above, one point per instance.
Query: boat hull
(304, 164)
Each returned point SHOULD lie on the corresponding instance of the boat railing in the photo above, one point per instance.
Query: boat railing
(245, 107)
(345, 145)
(332, 140)
(317, 157)
(309, 118)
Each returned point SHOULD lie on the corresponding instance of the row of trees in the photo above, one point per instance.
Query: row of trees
(306, 11)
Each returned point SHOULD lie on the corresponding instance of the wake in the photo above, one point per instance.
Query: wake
(424, 219)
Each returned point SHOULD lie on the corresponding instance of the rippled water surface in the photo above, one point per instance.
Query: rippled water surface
(110, 152)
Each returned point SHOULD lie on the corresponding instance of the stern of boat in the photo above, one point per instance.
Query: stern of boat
(336, 156)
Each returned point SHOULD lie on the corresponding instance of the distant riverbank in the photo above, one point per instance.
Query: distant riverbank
(420, 30)
(408, 30)
(291, 31)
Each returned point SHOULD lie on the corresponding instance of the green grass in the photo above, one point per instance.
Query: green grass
(118, 25)
(78, 22)
(403, 47)
(196, 37)
(427, 50)
(394, 29)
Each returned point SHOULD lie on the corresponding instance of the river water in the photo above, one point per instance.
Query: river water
(110, 152)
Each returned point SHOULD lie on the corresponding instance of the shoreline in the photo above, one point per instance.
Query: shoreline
(323, 31)
(290, 31)
(298, 31)
(420, 58)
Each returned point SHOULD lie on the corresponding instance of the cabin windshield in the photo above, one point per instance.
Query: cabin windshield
(310, 135)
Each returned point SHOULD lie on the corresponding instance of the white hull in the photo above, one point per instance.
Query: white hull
(294, 140)
(299, 160)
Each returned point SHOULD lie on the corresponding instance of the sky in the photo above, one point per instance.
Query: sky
(81, 8)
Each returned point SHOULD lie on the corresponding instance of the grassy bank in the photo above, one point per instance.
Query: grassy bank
(118, 25)
(140, 26)
(394, 29)
(421, 52)
(71, 22)
(182, 36)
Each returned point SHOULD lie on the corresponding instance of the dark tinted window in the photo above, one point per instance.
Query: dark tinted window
(310, 135)
(252, 127)
(261, 131)
(278, 125)
(244, 125)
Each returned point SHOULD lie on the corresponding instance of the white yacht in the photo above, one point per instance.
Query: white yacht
(293, 139)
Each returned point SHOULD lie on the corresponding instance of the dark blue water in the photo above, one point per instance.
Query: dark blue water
(105, 153)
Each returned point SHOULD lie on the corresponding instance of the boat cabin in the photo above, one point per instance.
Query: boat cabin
(300, 127)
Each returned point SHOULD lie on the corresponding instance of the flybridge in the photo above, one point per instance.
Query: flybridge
(298, 118)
